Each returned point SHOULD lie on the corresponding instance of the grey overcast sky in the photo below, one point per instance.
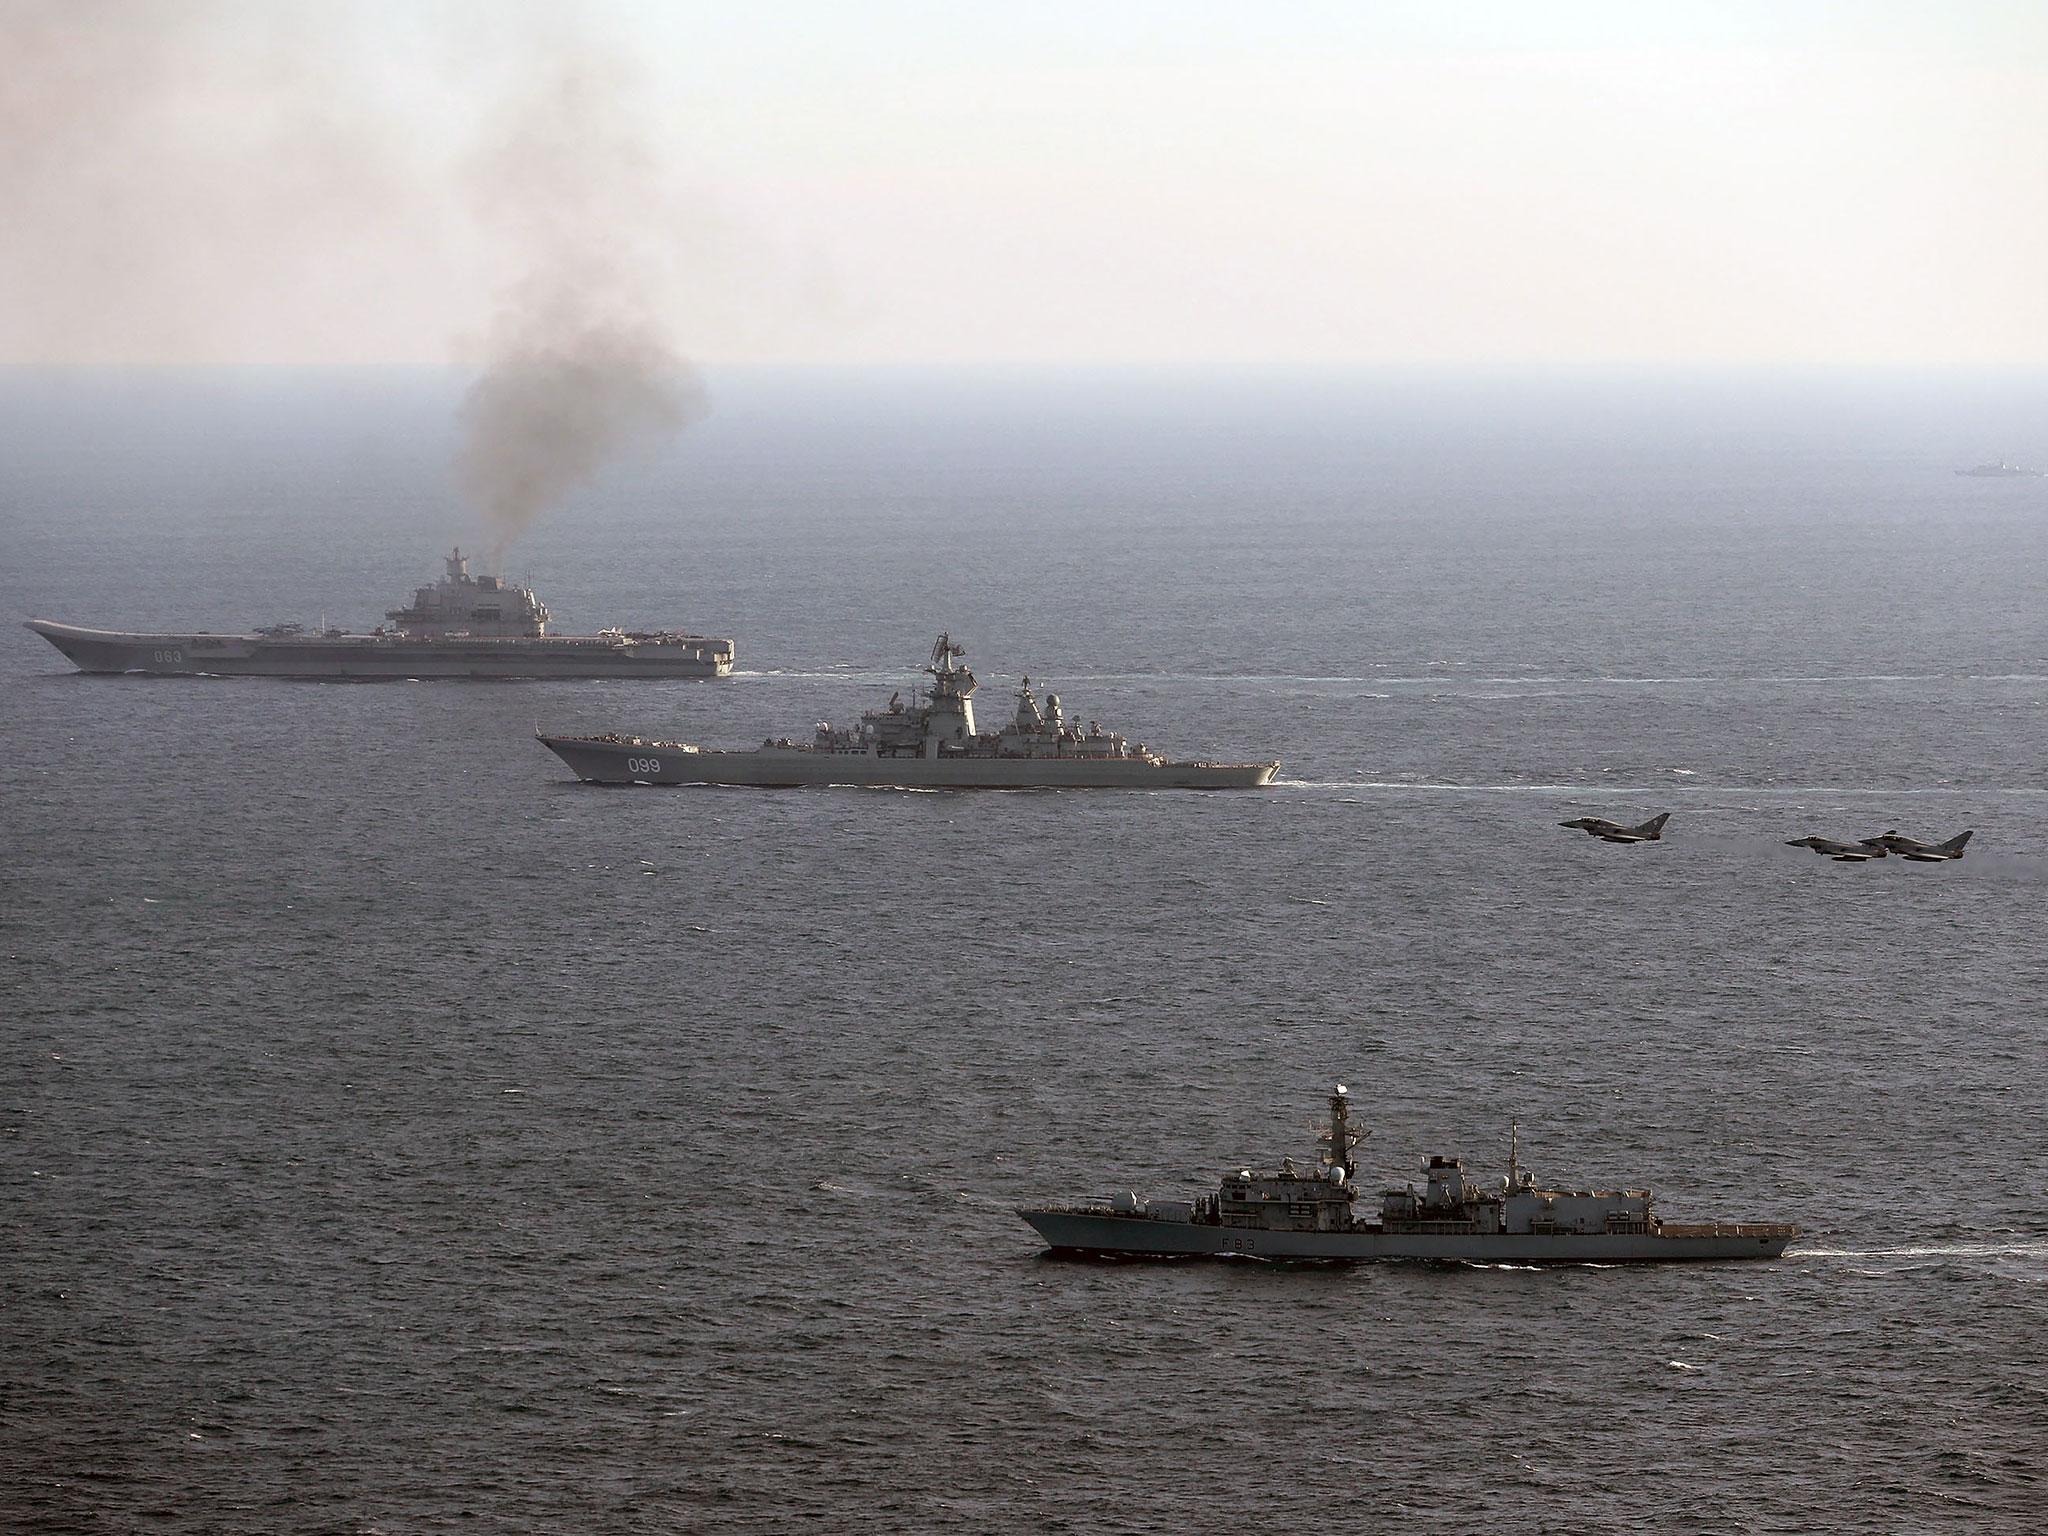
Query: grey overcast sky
(1270, 184)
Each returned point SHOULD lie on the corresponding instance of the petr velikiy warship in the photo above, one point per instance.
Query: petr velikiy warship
(463, 625)
(1307, 1214)
(929, 743)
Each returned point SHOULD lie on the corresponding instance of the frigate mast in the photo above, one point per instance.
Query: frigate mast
(1340, 1136)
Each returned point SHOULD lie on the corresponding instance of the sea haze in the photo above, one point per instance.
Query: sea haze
(400, 1136)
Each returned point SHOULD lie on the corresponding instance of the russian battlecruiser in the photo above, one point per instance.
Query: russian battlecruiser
(929, 743)
(1307, 1214)
(462, 626)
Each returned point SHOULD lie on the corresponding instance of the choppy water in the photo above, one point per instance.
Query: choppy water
(398, 1137)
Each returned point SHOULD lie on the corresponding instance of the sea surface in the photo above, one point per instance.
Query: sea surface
(397, 1136)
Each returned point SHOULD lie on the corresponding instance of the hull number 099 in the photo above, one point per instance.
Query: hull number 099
(643, 765)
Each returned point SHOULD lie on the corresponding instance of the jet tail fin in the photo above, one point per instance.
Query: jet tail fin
(1654, 827)
(1954, 846)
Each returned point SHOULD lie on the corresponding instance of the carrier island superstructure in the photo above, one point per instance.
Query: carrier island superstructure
(464, 625)
(929, 743)
(1307, 1213)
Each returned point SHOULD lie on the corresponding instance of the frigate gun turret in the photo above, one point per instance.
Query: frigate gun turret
(931, 741)
(1297, 1214)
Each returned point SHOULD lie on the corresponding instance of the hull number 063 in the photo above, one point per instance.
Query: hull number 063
(168, 658)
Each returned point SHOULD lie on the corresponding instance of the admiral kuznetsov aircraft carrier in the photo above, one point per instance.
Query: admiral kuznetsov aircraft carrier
(463, 626)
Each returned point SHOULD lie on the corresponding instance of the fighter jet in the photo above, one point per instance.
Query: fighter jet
(1841, 853)
(1614, 832)
(1917, 851)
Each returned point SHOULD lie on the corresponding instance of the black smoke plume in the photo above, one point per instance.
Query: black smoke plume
(579, 365)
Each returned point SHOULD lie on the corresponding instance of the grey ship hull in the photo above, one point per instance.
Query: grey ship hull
(1137, 1235)
(355, 658)
(629, 761)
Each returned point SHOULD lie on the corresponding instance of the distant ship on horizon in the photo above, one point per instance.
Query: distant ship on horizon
(462, 626)
(2002, 471)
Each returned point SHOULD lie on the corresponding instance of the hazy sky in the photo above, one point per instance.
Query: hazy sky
(1270, 183)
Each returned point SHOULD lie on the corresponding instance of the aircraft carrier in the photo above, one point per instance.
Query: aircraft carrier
(463, 626)
(1307, 1214)
(930, 743)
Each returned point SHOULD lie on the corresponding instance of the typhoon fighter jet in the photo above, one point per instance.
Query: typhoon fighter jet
(1841, 853)
(1614, 832)
(1917, 851)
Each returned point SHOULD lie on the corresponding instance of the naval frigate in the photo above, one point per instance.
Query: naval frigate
(929, 743)
(1306, 1213)
(464, 625)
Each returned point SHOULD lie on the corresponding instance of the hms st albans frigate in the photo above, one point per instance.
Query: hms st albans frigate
(463, 625)
(1306, 1213)
(929, 743)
